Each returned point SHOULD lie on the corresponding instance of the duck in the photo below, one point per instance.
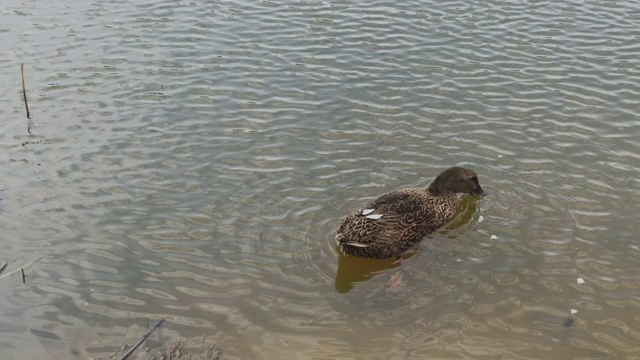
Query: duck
(393, 223)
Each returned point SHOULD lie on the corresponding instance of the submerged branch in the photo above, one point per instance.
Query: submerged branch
(142, 339)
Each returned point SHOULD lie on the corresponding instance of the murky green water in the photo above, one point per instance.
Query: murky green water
(190, 160)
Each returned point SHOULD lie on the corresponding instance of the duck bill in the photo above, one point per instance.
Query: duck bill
(479, 192)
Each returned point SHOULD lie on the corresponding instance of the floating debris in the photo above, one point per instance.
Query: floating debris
(568, 321)
(493, 237)
(580, 281)
(480, 219)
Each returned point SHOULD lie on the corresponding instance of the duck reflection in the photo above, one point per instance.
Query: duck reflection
(467, 214)
(353, 269)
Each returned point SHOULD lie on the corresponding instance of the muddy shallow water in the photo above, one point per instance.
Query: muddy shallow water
(191, 161)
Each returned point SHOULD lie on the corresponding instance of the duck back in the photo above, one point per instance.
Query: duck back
(395, 222)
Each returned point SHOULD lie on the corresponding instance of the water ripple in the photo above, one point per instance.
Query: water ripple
(191, 161)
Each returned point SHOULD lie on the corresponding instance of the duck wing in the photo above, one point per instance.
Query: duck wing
(396, 203)
(392, 222)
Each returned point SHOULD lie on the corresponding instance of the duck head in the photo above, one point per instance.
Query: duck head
(459, 180)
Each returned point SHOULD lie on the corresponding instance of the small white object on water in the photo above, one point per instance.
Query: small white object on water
(374, 216)
(580, 281)
(500, 155)
(368, 211)
(493, 237)
(574, 311)
(480, 219)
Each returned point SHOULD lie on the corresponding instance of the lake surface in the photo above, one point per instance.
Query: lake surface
(191, 160)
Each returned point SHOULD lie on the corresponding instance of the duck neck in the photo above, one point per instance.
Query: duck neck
(436, 189)
(438, 186)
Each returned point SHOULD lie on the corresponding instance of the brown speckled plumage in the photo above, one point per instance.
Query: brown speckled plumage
(394, 222)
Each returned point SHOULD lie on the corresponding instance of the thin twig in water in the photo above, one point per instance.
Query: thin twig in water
(24, 94)
(20, 268)
(142, 339)
(24, 280)
(3, 267)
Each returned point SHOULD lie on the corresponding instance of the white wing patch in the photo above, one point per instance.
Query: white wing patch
(374, 216)
(356, 245)
(367, 211)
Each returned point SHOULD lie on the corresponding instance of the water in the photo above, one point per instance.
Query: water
(191, 161)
